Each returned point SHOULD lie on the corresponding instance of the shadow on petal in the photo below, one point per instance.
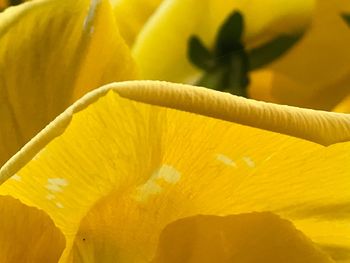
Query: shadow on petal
(338, 253)
(27, 234)
(246, 238)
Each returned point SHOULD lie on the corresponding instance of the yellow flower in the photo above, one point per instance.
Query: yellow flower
(175, 21)
(313, 74)
(147, 171)
(130, 158)
(71, 55)
(303, 77)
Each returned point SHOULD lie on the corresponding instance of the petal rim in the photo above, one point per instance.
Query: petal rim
(321, 127)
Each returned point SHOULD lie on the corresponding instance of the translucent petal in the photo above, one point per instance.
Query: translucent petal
(51, 53)
(130, 158)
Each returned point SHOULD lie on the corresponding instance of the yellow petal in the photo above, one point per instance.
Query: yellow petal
(131, 16)
(130, 158)
(51, 53)
(27, 234)
(161, 47)
(343, 106)
(248, 238)
(263, 80)
(317, 70)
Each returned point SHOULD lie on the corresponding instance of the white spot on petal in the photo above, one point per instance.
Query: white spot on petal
(92, 30)
(50, 197)
(16, 177)
(146, 190)
(59, 205)
(165, 173)
(56, 184)
(58, 181)
(168, 173)
(249, 162)
(226, 160)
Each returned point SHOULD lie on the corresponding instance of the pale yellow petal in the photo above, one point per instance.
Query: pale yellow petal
(130, 158)
(51, 53)
(161, 47)
(27, 234)
(132, 15)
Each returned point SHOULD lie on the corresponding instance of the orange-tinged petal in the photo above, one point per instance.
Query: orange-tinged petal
(51, 53)
(3, 4)
(263, 80)
(316, 71)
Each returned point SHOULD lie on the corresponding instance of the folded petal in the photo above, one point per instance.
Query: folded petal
(315, 73)
(128, 159)
(51, 53)
(161, 47)
(27, 234)
(132, 15)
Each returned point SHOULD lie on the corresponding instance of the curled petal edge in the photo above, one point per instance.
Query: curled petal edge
(321, 127)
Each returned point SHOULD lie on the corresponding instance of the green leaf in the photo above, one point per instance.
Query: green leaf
(269, 52)
(346, 18)
(199, 55)
(230, 34)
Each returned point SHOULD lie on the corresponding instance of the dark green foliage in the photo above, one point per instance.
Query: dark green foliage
(269, 52)
(200, 55)
(229, 36)
(227, 67)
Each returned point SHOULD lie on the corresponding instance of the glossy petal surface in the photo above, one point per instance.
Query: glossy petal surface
(137, 167)
(51, 53)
